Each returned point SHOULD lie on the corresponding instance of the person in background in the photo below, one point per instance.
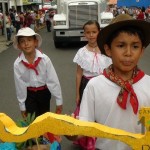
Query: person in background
(34, 75)
(48, 20)
(2, 22)
(37, 20)
(8, 25)
(90, 63)
(22, 20)
(13, 22)
(141, 14)
(17, 21)
(32, 26)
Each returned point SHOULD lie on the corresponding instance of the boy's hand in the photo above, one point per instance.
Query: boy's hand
(24, 114)
(77, 99)
(59, 109)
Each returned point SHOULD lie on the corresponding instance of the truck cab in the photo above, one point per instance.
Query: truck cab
(72, 15)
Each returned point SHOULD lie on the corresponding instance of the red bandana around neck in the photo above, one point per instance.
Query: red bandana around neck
(32, 66)
(126, 87)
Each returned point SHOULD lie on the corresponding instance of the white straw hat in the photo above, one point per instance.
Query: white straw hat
(26, 32)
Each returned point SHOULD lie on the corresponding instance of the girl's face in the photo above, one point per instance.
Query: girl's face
(125, 51)
(27, 44)
(91, 33)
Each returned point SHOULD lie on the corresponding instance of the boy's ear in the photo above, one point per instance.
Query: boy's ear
(107, 50)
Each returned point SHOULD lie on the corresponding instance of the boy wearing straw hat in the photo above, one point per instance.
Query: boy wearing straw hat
(114, 98)
(34, 75)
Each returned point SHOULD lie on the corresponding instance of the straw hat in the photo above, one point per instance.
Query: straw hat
(121, 21)
(26, 32)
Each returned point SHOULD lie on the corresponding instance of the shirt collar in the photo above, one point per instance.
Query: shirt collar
(38, 54)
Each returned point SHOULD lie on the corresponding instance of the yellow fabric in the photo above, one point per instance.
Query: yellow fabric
(66, 125)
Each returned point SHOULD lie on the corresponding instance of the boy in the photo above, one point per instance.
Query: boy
(114, 98)
(34, 75)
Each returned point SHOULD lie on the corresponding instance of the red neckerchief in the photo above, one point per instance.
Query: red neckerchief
(32, 66)
(126, 87)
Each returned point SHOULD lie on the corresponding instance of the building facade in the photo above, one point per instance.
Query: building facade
(22, 5)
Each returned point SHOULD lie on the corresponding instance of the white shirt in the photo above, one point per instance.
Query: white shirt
(25, 77)
(92, 63)
(17, 18)
(99, 105)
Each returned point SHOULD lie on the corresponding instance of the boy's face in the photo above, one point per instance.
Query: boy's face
(125, 51)
(27, 44)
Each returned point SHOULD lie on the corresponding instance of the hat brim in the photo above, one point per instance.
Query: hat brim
(108, 30)
(38, 37)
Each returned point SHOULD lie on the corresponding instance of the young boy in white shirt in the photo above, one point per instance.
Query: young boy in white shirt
(34, 75)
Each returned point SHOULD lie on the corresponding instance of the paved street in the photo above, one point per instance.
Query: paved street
(65, 68)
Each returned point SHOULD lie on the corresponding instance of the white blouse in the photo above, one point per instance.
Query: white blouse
(92, 63)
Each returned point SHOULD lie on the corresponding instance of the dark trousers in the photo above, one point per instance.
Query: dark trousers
(8, 30)
(17, 25)
(48, 25)
(83, 84)
(38, 102)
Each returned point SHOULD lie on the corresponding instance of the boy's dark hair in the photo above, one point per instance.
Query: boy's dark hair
(126, 29)
(19, 37)
(92, 22)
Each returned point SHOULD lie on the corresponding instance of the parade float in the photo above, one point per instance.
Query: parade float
(66, 125)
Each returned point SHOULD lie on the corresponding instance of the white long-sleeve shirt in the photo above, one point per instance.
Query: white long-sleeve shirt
(25, 77)
(99, 104)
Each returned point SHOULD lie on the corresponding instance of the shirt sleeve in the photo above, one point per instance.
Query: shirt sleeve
(21, 89)
(53, 84)
(87, 111)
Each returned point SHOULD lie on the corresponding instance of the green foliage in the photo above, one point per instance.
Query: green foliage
(24, 123)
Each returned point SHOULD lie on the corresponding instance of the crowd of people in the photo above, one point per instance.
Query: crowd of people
(16, 20)
(140, 13)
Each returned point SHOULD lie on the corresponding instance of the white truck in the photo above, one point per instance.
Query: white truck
(71, 16)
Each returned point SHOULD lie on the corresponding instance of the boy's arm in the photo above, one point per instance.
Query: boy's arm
(21, 89)
(53, 85)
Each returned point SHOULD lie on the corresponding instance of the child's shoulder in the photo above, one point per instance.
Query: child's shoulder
(41, 54)
(98, 79)
(82, 49)
(146, 79)
(17, 60)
